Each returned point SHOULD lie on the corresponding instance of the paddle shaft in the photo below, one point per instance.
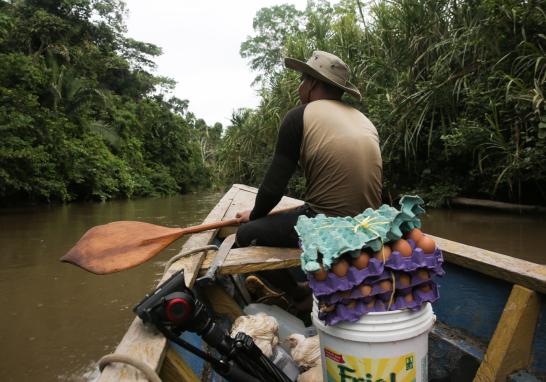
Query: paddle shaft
(208, 226)
(225, 223)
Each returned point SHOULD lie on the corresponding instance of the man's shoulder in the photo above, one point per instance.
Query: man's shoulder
(333, 112)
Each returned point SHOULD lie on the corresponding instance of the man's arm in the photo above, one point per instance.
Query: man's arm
(285, 161)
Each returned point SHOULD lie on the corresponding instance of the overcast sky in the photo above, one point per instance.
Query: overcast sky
(200, 42)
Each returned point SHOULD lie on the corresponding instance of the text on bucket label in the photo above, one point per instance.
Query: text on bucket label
(347, 368)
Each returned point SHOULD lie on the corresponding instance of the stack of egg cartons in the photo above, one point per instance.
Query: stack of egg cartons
(376, 261)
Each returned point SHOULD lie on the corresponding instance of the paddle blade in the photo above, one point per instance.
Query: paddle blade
(120, 245)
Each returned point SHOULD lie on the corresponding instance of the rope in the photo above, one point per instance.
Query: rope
(143, 367)
(393, 290)
(383, 251)
(187, 253)
(368, 223)
(391, 299)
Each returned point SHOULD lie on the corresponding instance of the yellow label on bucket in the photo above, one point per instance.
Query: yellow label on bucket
(348, 368)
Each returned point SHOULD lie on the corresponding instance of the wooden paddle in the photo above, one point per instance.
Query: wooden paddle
(121, 245)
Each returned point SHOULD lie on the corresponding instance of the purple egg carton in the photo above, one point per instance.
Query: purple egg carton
(430, 296)
(344, 313)
(377, 291)
(400, 303)
(418, 259)
(353, 278)
(385, 275)
(334, 298)
(415, 279)
(419, 298)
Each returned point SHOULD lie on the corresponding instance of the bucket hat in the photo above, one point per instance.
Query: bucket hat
(325, 67)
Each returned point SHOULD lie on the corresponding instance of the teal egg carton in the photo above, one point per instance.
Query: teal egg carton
(324, 239)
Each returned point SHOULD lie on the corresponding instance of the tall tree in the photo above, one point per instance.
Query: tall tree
(80, 114)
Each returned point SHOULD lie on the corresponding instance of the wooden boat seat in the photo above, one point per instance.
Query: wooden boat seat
(253, 259)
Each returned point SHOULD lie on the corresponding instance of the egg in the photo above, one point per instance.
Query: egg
(415, 234)
(408, 297)
(327, 308)
(321, 274)
(361, 261)
(365, 290)
(371, 304)
(341, 268)
(404, 280)
(425, 288)
(384, 252)
(423, 274)
(351, 304)
(426, 244)
(403, 247)
(386, 285)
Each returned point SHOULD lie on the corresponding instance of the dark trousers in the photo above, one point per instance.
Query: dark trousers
(277, 231)
(273, 230)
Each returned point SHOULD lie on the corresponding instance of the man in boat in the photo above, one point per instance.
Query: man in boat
(337, 148)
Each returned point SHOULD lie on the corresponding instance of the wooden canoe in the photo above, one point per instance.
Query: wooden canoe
(491, 315)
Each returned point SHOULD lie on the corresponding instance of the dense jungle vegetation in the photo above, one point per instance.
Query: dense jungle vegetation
(81, 116)
(454, 87)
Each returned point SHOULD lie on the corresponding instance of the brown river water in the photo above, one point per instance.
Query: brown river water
(56, 320)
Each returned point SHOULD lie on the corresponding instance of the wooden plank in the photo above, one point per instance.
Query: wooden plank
(511, 346)
(175, 369)
(245, 201)
(143, 342)
(244, 187)
(515, 271)
(253, 259)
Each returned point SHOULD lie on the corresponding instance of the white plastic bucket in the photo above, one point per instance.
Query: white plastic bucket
(380, 347)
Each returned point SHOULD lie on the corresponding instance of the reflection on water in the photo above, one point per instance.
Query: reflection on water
(522, 236)
(57, 320)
